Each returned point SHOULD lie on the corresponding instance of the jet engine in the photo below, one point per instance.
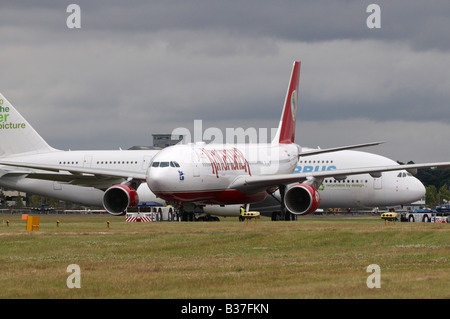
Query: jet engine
(301, 199)
(118, 198)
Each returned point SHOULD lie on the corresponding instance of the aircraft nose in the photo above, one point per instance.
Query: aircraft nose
(418, 189)
(155, 179)
(165, 177)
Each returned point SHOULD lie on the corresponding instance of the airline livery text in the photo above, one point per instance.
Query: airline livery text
(4, 119)
(227, 160)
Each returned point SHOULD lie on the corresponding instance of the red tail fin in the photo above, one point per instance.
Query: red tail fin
(286, 129)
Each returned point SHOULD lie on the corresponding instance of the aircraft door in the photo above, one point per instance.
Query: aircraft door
(87, 161)
(196, 171)
(146, 162)
(195, 160)
(378, 183)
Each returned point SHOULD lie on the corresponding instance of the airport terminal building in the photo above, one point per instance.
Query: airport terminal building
(165, 140)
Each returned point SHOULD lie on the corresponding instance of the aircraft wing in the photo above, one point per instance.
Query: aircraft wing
(335, 149)
(11, 173)
(83, 175)
(249, 184)
(98, 181)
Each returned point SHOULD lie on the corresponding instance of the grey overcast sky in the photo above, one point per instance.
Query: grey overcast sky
(137, 68)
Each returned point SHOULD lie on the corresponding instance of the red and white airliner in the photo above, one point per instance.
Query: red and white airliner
(227, 174)
(222, 174)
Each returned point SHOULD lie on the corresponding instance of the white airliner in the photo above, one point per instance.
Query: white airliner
(189, 174)
(110, 180)
(356, 191)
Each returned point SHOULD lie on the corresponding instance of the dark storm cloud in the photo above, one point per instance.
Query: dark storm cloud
(141, 67)
(422, 24)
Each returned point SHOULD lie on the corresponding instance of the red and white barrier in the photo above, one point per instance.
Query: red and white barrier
(140, 218)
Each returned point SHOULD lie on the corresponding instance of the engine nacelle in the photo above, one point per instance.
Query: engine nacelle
(301, 199)
(118, 198)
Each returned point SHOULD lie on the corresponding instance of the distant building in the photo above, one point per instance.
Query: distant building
(420, 204)
(165, 140)
(11, 197)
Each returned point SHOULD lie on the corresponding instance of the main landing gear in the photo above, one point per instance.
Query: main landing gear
(283, 214)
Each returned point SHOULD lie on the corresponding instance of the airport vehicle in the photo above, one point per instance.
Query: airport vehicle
(421, 216)
(196, 174)
(443, 209)
(389, 216)
(151, 214)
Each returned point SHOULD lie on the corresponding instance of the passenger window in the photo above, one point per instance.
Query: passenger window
(155, 164)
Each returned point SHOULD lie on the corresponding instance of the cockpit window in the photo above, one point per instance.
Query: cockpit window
(403, 174)
(164, 164)
(174, 164)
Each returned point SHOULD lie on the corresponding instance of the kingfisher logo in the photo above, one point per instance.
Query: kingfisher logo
(5, 120)
(294, 104)
(317, 168)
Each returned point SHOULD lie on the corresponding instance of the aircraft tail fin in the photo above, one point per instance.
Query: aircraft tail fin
(17, 136)
(286, 130)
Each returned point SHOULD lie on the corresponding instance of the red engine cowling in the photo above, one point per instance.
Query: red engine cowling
(302, 199)
(118, 198)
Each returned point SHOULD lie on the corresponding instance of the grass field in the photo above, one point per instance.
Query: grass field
(308, 258)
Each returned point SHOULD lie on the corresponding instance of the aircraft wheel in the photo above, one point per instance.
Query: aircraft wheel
(288, 216)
